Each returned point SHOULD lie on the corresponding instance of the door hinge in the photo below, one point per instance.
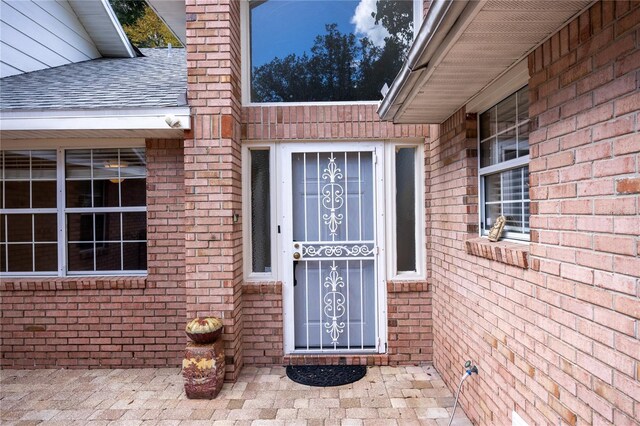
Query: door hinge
(375, 158)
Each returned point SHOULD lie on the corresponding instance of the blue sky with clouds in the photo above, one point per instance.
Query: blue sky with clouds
(281, 27)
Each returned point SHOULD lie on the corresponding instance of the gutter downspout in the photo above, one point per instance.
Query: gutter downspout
(440, 18)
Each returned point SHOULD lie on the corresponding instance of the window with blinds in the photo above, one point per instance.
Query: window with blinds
(504, 165)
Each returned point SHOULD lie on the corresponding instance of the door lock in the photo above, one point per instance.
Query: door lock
(296, 255)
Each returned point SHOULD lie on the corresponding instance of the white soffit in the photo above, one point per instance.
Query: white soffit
(100, 21)
(494, 37)
(173, 13)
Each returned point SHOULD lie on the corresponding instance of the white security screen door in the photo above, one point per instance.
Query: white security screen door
(333, 217)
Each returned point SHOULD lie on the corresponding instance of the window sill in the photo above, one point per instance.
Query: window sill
(510, 253)
(73, 283)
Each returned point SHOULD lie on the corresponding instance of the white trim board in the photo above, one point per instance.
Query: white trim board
(131, 119)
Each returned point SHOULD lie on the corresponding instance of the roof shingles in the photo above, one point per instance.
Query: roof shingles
(154, 81)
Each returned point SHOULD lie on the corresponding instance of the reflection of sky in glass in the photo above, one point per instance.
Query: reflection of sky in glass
(282, 27)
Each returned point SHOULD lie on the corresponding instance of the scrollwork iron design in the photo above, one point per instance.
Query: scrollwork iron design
(332, 196)
(334, 304)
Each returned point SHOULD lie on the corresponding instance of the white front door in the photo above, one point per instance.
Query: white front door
(333, 216)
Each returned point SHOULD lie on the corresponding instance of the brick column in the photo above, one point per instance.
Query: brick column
(213, 240)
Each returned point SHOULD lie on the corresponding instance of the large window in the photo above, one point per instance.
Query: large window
(308, 51)
(75, 211)
(504, 165)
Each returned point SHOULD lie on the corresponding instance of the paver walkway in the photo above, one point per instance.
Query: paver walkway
(261, 396)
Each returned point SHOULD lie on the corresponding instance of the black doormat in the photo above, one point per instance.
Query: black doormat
(326, 375)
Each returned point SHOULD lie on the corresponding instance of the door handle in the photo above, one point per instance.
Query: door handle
(295, 280)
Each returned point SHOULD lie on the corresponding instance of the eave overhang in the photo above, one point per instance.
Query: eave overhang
(117, 123)
(100, 21)
(173, 14)
(464, 46)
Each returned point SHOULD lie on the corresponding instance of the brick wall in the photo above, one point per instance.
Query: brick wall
(342, 123)
(263, 328)
(409, 322)
(557, 341)
(335, 122)
(109, 321)
(213, 171)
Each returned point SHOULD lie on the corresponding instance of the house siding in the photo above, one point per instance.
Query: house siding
(109, 321)
(554, 333)
(41, 35)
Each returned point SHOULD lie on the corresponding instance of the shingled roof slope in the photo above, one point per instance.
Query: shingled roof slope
(157, 80)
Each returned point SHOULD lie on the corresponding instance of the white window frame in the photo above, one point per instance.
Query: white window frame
(390, 209)
(498, 168)
(245, 54)
(60, 146)
(249, 275)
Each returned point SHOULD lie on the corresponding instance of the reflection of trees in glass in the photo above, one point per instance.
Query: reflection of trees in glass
(340, 66)
(141, 24)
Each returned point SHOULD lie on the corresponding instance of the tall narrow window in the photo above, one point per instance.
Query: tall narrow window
(260, 212)
(406, 209)
(28, 237)
(504, 164)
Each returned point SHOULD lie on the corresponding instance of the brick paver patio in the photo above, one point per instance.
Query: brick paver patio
(262, 396)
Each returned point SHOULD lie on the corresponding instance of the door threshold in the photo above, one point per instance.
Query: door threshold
(369, 359)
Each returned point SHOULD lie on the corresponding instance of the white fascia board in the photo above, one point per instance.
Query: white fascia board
(126, 43)
(106, 32)
(131, 119)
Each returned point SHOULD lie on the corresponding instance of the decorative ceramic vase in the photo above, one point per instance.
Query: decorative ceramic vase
(203, 369)
(204, 330)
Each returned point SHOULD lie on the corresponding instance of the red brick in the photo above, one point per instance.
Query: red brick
(616, 166)
(595, 187)
(628, 22)
(594, 80)
(628, 306)
(594, 260)
(576, 172)
(628, 186)
(566, 190)
(594, 224)
(576, 206)
(593, 152)
(626, 145)
(595, 115)
(561, 159)
(613, 128)
(615, 206)
(629, 103)
(614, 320)
(618, 49)
(627, 225)
(576, 72)
(626, 265)
(576, 273)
